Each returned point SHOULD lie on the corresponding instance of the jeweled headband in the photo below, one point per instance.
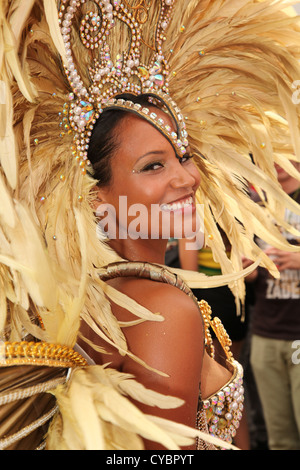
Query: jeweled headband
(121, 45)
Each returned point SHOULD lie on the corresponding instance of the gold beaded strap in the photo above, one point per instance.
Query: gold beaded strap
(218, 329)
(46, 354)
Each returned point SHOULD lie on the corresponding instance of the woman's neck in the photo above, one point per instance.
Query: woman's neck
(150, 251)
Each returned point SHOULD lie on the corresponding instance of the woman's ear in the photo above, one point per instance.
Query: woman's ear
(99, 202)
(105, 214)
(98, 197)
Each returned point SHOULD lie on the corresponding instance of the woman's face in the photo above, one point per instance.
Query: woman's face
(152, 191)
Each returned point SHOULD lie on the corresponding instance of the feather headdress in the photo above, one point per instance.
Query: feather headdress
(230, 67)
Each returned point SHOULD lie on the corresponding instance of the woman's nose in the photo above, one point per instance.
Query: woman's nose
(185, 176)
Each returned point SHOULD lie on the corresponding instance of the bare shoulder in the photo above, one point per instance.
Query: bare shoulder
(174, 346)
(169, 344)
(159, 297)
(181, 321)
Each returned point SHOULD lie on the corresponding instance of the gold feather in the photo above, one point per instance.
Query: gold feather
(8, 154)
(50, 7)
(104, 417)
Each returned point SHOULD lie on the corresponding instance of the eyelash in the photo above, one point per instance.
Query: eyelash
(188, 158)
(151, 165)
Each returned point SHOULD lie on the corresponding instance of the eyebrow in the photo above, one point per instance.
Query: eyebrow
(152, 152)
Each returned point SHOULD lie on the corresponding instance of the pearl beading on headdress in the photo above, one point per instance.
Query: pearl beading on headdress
(126, 74)
(150, 115)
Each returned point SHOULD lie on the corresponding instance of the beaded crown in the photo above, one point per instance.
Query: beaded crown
(123, 44)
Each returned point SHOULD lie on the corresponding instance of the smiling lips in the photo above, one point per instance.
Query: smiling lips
(178, 205)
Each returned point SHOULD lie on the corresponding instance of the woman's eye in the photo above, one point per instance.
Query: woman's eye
(153, 166)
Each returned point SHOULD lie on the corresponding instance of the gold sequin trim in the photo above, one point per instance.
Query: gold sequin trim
(46, 354)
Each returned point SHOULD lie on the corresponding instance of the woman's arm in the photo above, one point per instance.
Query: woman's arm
(174, 346)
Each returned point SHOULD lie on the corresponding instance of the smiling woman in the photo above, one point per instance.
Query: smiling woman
(144, 168)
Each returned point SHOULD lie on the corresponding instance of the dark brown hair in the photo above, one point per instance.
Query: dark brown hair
(104, 141)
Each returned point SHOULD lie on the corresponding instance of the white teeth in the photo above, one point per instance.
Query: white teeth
(177, 205)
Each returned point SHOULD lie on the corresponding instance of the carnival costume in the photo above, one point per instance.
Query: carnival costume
(224, 71)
